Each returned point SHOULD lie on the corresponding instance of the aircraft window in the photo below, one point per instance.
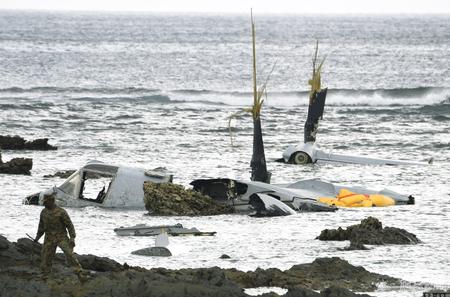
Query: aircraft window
(70, 186)
(94, 187)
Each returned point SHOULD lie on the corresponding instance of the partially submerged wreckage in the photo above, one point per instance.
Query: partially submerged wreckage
(120, 186)
(125, 184)
(308, 151)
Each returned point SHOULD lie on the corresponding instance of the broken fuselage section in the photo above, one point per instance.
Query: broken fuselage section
(271, 200)
(262, 198)
(105, 185)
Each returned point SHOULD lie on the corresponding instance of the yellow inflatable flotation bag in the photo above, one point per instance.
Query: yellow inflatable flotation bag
(347, 198)
(364, 203)
(381, 200)
(331, 201)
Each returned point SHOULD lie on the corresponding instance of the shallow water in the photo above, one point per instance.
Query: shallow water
(118, 98)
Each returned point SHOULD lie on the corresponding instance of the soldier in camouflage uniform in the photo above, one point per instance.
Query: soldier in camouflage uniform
(55, 222)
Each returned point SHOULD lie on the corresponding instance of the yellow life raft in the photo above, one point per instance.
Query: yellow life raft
(346, 198)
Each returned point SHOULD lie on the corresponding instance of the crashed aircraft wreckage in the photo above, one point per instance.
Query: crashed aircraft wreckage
(273, 200)
(308, 151)
(125, 188)
(120, 186)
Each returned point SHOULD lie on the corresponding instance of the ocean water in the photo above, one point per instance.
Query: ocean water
(153, 90)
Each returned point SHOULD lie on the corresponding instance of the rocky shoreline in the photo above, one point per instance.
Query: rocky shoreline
(20, 276)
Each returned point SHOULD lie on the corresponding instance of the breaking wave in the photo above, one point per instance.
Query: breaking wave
(441, 108)
(422, 96)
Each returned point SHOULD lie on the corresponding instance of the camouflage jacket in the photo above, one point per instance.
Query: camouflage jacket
(55, 223)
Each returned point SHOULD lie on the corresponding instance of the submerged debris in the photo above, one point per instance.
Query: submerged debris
(370, 231)
(18, 143)
(154, 251)
(172, 199)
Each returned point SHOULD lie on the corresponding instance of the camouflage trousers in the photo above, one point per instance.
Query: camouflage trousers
(49, 251)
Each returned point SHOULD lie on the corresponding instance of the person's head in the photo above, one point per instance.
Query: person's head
(49, 201)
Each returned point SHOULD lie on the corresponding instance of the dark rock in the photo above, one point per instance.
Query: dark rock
(155, 251)
(354, 246)
(225, 256)
(172, 199)
(101, 264)
(18, 143)
(370, 231)
(318, 275)
(17, 166)
(20, 276)
(4, 243)
(60, 174)
(335, 291)
(332, 291)
(68, 173)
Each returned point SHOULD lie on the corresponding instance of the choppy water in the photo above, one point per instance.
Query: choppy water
(156, 90)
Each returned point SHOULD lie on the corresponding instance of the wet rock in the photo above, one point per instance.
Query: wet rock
(101, 264)
(155, 251)
(60, 174)
(4, 243)
(172, 199)
(354, 246)
(333, 291)
(370, 231)
(20, 276)
(318, 275)
(18, 143)
(17, 166)
(225, 256)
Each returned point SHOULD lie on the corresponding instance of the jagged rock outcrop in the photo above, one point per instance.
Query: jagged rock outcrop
(369, 231)
(318, 275)
(172, 199)
(16, 166)
(18, 143)
(20, 276)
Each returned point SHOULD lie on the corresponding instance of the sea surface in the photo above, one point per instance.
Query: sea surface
(151, 90)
